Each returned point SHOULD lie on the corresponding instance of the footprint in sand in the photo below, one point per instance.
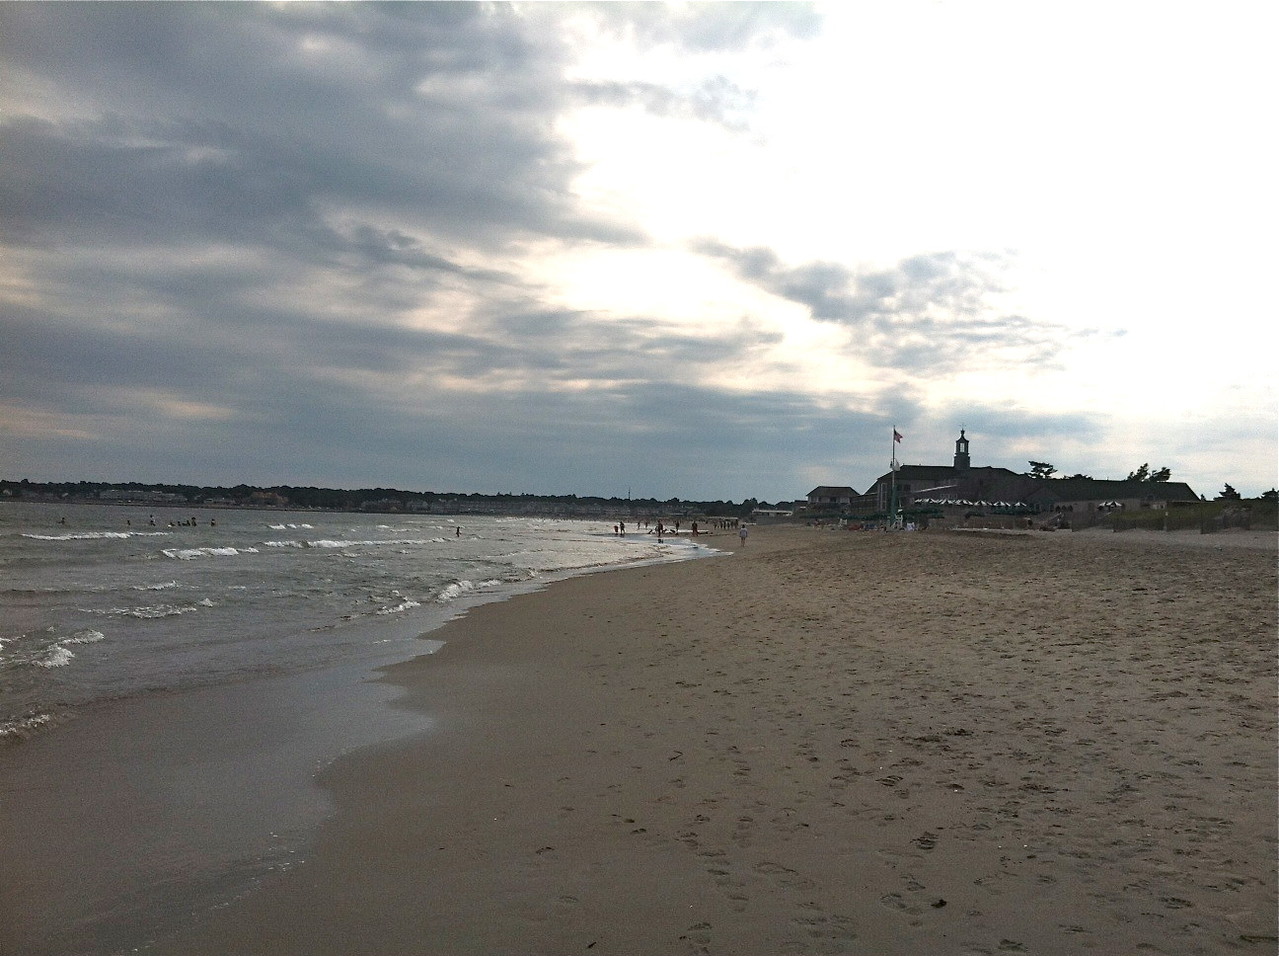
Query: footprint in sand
(895, 901)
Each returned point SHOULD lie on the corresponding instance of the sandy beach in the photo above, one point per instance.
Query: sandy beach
(824, 742)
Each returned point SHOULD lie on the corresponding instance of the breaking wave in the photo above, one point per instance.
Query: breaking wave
(55, 656)
(87, 636)
(93, 535)
(455, 590)
(152, 611)
(405, 605)
(21, 726)
(334, 544)
(190, 554)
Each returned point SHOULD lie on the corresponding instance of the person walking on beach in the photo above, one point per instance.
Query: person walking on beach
(743, 532)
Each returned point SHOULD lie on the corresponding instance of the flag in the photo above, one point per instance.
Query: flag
(897, 436)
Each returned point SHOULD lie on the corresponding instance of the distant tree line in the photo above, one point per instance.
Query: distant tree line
(1043, 469)
(308, 498)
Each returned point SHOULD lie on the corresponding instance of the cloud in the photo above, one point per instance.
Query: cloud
(714, 100)
(929, 313)
(705, 27)
(205, 123)
(356, 243)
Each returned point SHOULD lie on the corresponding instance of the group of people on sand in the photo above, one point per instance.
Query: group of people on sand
(661, 529)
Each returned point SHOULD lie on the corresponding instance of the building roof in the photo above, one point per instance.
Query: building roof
(1000, 484)
(833, 491)
(944, 472)
(991, 484)
(1105, 489)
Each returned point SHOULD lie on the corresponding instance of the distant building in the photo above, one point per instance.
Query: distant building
(146, 495)
(1084, 495)
(830, 497)
(268, 499)
(962, 486)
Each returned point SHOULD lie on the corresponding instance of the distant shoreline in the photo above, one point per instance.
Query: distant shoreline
(367, 500)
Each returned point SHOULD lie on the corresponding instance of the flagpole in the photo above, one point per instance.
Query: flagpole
(892, 466)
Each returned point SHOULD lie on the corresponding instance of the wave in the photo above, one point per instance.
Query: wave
(334, 544)
(156, 587)
(58, 654)
(282, 527)
(55, 656)
(93, 535)
(87, 636)
(455, 590)
(152, 611)
(17, 727)
(405, 605)
(190, 554)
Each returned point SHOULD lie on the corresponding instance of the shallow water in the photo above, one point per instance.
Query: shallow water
(168, 694)
(101, 602)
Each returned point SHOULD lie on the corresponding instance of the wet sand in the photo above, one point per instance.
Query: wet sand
(825, 742)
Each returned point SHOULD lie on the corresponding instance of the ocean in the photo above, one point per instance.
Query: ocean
(103, 602)
(172, 682)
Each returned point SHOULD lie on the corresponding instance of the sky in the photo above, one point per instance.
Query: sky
(709, 251)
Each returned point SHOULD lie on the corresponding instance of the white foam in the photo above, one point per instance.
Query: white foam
(87, 636)
(404, 605)
(152, 611)
(56, 656)
(190, 554)
(453, 591)
(334, 544)
(156, 587)
(458, 588)
(92, 535)
(21, 725)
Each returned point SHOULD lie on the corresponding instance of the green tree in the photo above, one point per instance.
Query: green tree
(1041, 469)
(1145, 474)
(1271, 495)
(1228, 494)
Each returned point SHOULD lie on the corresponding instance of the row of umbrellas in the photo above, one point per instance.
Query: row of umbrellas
(964, 502)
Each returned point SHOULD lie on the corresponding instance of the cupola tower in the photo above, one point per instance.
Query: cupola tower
(962, 462)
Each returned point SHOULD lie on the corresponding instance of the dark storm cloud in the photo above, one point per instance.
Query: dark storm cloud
(929, 313)
(250, 191)
(220, 122)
